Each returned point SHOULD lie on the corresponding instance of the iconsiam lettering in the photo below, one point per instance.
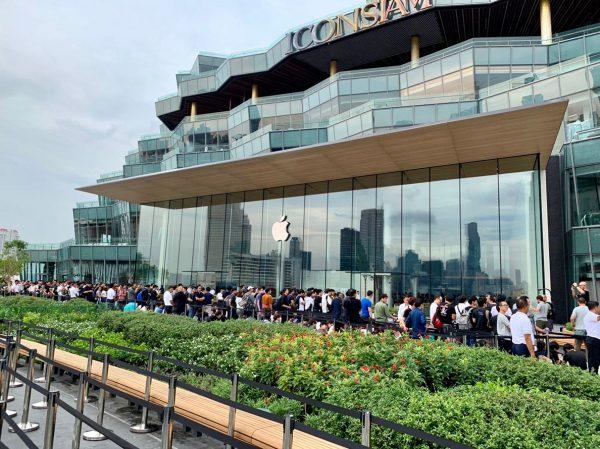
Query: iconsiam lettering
(372, 14)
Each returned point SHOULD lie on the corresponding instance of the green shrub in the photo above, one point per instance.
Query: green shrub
(488, 415)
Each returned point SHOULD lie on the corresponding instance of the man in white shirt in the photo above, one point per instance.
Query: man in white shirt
(523, 342)
(325, 302)
(168, 300)
(434, 306)
(577, 317)
(111, 294)
(308, 303)
(73, 291)
(592, 327)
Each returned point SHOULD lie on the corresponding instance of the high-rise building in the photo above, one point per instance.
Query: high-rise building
(7, 235)
(472, 125)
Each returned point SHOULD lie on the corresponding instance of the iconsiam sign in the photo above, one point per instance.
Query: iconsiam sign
(374, 13)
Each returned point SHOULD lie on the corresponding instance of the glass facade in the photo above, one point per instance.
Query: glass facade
(471, 228)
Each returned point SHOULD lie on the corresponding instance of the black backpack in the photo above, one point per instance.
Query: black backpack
(480, 317)
(550, 311)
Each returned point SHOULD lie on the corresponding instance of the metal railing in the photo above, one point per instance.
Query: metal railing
(289, 423)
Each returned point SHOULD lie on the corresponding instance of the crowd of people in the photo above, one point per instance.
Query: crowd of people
(511, 325)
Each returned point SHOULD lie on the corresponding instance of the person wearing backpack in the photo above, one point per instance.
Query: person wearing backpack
(447, 314)
(480, 319)
(462, 314)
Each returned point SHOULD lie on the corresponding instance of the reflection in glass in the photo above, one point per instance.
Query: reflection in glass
(445, 230)
(271, 249)
(186, 246)
(415, 232)
(293, 249)
(315, 235)
(169, 267)
(519, 232)
(480, 227)
(340, 235)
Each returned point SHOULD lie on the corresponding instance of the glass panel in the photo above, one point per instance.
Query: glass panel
(367, 223)
(159, 234)
(235, 222)
(271, 249)
(216, 234)
(315, 235)
(382, 118)
(588, 195)
(573, 82)
(445, 263)
(416, 232)
(480, 226)
(519, 231)
(587, 152)
(142, 272)
(340, 235)
(186, 243)
(293, 249)
(360, 86)
(201, 235)
(169, 270)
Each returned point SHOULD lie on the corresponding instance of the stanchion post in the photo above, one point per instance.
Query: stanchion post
(52, 401)
(547, 345)
(25, 425)
(143, 426)
(288, 432)
(5, 381)
(366, 428)
(76, 441)
(49, 368)
(234, 397)
(14, 383)
(88, 398)
(495, 340)
(42, 379)
(94, 435)
(6, 356)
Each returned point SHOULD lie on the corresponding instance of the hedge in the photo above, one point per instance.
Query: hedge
(476, 396)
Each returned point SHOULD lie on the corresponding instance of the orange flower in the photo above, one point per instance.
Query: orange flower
(365, 368)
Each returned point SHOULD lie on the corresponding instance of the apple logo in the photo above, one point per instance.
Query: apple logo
(280, 230)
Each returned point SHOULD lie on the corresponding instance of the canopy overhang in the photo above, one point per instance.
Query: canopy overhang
(518, 132)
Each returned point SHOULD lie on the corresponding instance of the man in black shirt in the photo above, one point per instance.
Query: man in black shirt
(179, 300)
(574, 358)
(352, 307)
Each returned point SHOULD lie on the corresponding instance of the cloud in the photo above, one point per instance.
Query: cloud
(79, 81)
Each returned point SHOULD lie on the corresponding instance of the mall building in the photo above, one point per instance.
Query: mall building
(416, 146)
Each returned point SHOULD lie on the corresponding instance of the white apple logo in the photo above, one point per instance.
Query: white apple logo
(280, 230)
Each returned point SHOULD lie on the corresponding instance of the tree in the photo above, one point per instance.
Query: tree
(12, 260)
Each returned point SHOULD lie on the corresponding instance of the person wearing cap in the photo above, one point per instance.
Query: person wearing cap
(592, 341)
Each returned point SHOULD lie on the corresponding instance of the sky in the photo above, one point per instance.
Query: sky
(78, 82)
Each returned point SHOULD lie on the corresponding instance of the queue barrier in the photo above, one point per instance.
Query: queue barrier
(289, 424)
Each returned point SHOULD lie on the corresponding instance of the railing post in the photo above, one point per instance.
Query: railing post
(366, 428)
(288, 432)
(93, 435)
(7, 358)
(42, 379)
(90, 360)
(234, 397)
(25, 425)
(143, 426)
(52, 401)
(49, 368)
(166, 441)
(547, 345)
(76, 441)
(14, 383)
(169, 410)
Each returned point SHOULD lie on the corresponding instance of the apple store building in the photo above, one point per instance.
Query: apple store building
(415, 146)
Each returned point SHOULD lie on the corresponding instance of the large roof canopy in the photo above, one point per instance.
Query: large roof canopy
(518, 132)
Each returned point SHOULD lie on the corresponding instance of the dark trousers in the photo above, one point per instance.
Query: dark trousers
(505, 344)
(593, 348)
(520, 350)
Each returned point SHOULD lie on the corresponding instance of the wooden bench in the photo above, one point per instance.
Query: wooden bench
(256, 430)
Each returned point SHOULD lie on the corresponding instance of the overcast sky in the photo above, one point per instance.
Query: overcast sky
(78, 82)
